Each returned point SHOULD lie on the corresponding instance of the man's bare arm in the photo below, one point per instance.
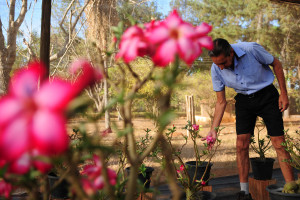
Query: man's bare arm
(283, 101)
(218, 115)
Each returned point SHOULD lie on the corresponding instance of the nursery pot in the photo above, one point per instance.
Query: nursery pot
(201, 195)
(61, 191)
(145, 180)
(276, 194)
(191, 169)
(262, 169)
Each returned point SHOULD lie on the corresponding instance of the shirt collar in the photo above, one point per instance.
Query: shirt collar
(238, 52)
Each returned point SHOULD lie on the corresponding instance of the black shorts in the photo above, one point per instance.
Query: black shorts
(263, 103)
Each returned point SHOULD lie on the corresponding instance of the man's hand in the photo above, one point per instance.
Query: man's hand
(210, 138)
(283, 102)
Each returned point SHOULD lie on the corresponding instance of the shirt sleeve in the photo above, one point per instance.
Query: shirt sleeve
(261, 55)
(218, 84)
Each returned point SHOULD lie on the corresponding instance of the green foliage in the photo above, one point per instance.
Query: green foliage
(262, 145)
(292, 145)
(138, 11)
(144, 142)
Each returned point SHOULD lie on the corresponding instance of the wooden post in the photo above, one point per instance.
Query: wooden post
(207, 188)
(257, 188)
(145, 196)
(190, 110)
(45, 34)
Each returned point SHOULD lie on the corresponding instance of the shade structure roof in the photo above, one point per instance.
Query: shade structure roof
(287, 1)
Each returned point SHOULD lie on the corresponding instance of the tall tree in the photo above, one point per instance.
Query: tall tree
(8, 48)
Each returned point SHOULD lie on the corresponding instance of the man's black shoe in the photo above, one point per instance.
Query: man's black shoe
(243, 196)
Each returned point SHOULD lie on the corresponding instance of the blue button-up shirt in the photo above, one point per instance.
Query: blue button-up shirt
(251, 71)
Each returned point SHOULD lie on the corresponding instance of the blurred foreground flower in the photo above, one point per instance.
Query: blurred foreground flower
(92, 179)
(163, 40)
(5, 189)
(34, 123)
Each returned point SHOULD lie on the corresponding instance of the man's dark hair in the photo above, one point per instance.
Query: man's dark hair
(221, 46)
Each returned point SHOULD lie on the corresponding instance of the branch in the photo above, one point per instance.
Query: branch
(2, 44)
(63, 19)
(69, 40)
(80, 13)
(22, 14)
(30, 51)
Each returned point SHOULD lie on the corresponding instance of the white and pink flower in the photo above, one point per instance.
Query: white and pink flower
(34, 123)
(163, 40)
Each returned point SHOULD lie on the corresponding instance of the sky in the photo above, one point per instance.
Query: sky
(34, 13)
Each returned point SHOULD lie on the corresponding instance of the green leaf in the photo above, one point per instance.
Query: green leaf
(125, 131)
(166, 118)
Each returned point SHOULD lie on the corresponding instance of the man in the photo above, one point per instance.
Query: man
(245, 67)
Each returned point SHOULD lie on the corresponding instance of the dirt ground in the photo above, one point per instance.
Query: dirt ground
(224, 161)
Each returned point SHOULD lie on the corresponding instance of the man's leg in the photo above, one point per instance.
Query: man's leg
(282, 154)
(242, 156)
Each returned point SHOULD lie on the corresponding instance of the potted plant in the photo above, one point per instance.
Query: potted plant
(194, 175)
(58, 185)
(145, 173)
(291, 190)
(262, 167)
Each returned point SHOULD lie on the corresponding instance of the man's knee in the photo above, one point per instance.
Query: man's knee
(277, 142)
(242, 142)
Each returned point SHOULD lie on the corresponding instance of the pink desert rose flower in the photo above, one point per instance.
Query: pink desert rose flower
(210, 141)
(195, 127)
(5, 189)
(181, 167)
(92, 179)
(163, 40)
(173, 36)
(34, 119)
(133, 43)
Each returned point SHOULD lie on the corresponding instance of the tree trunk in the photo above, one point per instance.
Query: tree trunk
(107, 115)
(8, 48)
(259, 26)
(103, 16)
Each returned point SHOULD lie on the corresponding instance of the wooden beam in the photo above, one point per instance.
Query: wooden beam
(287, 1)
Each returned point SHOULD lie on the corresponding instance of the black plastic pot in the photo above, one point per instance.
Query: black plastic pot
(202, 195)
(145, 180)
(191, 169)
(61, 191)
(276, 194)
(262, 169)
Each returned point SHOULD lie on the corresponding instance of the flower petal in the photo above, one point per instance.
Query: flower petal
(25, 81)
(14, 139)
(203, 29)
(49, 132)
(165, 53)
(187, 50)
(206, 42)
(21, 165)
(89, 76)
(173, 20)
(11, 107)
(158, 34)
(54, 94)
